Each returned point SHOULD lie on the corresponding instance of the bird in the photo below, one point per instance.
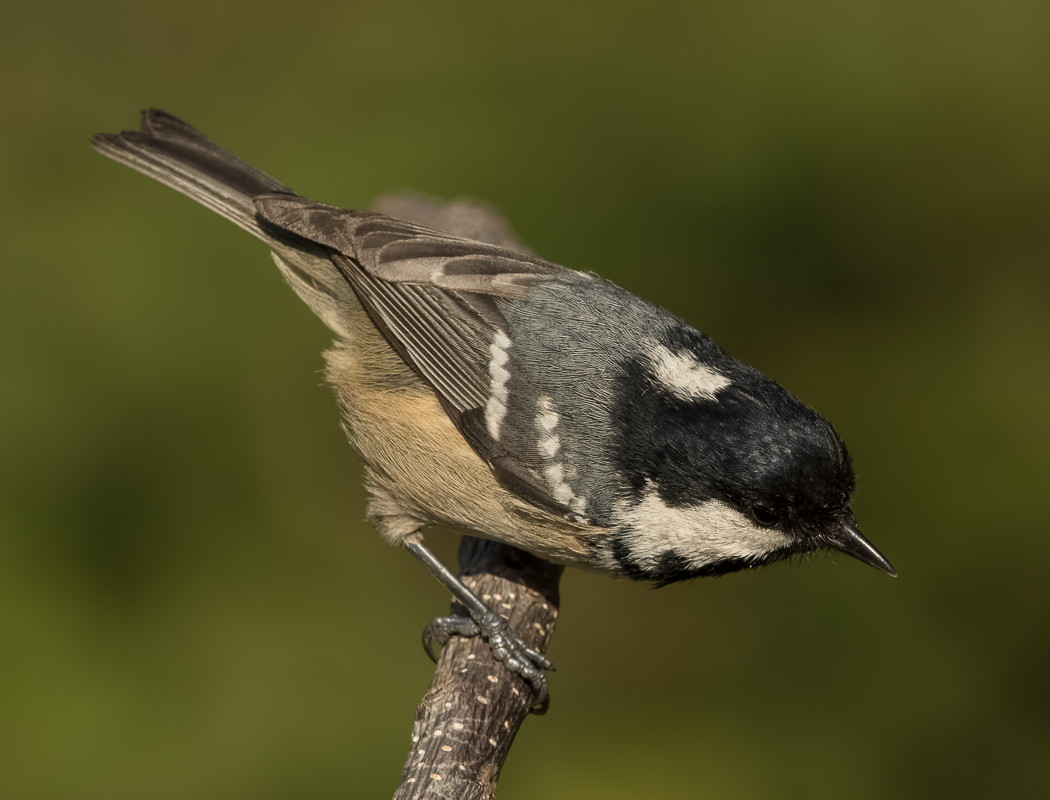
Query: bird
(511, 398)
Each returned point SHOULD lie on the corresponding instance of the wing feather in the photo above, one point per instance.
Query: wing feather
(434, 296)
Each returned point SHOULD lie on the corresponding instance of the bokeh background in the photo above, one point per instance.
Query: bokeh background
(852, 196)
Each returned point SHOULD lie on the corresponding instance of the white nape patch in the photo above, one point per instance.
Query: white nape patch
(496, 408)
(548, 445)
(685, 377)
(701, 534)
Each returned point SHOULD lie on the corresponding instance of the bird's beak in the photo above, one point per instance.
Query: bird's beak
(847, 539)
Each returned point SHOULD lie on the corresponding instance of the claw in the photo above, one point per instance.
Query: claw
(543, 700)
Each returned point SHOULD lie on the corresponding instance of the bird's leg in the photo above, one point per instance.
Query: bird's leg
(504, 642)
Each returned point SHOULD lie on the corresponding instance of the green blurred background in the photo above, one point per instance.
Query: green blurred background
(852, 196)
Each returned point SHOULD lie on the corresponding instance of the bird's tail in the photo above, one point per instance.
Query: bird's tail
(180, 156)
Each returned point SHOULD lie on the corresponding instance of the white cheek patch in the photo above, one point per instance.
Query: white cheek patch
(701, 534)
(496, 408)
(685, 377)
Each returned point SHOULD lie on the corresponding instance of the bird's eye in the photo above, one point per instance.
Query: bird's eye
(764, 516)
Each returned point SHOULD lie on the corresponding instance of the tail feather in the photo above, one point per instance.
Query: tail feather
(180, 156)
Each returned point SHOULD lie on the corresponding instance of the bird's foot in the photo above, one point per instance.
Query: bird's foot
(506, 646)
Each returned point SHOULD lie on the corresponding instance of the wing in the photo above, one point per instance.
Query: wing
(434, 296)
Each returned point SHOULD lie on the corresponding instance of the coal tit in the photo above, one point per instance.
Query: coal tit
(512, 398)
